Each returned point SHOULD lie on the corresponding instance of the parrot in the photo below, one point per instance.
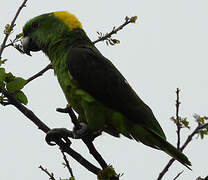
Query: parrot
(92, 85)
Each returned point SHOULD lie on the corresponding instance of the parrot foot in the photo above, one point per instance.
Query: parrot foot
(84, 133)
(64, 134)
(58, 134)
(81, 131)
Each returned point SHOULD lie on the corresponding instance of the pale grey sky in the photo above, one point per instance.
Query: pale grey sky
(165, 49)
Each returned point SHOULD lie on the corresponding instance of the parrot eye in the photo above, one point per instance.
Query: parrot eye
(34, 25)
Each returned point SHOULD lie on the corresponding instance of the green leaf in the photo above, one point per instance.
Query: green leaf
(106, 173)
(201, 134)
(205, 132)
(2, 61)
(71, 178)
(9, 77)
(18, 36)
(17, 84)
(133, 19)
(7, 29)
(185, 123)
(21, 97)
(2, 74)
(115, 41)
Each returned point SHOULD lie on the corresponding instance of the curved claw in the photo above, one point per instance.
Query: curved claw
(58, 133)
(49, 140)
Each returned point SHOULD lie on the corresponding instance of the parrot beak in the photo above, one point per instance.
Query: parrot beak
(25, 44)
(28, 45)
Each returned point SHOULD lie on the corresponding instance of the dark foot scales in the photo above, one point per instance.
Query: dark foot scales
(65, 134)
(83, 132)
(57, 134)
(78, 133)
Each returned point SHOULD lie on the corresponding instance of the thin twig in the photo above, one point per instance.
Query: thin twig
(165, 169)
(67, 164)
(71, 114)
(5, 103)
(93, 151)
(12, 24)
(115, 30)
(196, 131)
(178, 124)
(178, 175)
(46, 171)
(39, 73)
(178, 136)
(12, 42)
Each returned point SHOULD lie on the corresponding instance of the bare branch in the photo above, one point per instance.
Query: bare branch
(11, 26)
(46, 171)
(115, 30)
(39, 73)
(5, 103)
(67, 164)
(178, 124)
(165, 169)
(196, 131)
(71, 114)
(178, 175)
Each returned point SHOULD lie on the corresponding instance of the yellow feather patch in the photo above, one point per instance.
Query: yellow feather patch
(69, 19)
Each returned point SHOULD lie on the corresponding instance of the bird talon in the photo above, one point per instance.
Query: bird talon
(58, 133)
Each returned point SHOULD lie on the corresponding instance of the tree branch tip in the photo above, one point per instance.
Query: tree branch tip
(51, 175)
(178, 175)
(133, 19)
(62, 110)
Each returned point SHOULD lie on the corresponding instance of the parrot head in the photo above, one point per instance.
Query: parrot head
(47, 30)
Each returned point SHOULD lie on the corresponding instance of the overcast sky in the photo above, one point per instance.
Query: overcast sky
(165, 49)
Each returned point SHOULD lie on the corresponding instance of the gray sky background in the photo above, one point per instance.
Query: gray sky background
(165, 49)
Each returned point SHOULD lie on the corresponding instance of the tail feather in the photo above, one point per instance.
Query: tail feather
(152, 139)
(175, 153)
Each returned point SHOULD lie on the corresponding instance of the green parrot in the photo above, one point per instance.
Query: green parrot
(97, 91)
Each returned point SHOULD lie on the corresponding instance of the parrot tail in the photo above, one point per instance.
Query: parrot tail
(155, 140)
(175, 153)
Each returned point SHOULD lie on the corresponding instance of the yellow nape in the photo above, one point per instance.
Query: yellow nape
(69, 19)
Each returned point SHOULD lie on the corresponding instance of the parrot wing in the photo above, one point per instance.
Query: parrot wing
(99, 77)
